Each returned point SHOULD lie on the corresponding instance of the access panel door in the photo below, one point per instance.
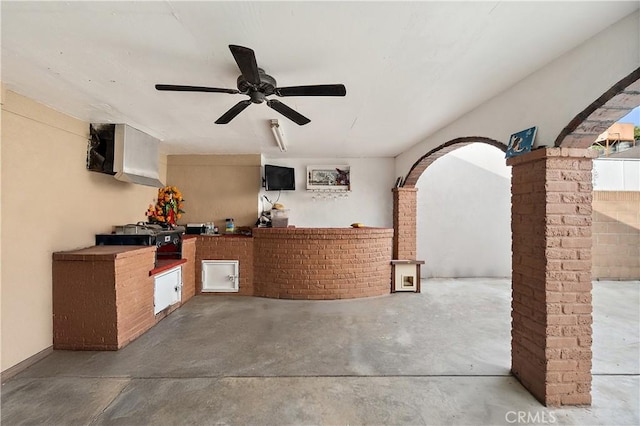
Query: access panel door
(167, 289)
(220, 276)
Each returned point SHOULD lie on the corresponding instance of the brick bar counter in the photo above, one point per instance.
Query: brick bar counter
(322, 263)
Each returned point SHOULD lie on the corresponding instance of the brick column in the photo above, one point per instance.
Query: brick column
(404, 223)
(551, 195)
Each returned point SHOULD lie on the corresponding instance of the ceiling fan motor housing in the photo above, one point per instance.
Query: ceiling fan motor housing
(258, 92)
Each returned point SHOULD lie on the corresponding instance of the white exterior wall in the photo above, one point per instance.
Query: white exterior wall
(370, 201)
(616, 174)
(464, 214)
(549, 98)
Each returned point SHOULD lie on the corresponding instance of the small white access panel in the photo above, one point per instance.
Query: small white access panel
(220, 276)
(167, 289)
(405, 275)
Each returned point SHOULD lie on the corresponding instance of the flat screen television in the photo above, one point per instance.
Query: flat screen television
(278, 178)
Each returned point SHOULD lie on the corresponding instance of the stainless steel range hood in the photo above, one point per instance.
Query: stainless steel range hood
(135, 156)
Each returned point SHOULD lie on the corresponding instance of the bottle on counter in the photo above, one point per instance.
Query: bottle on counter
(230, 227)
(209, 227)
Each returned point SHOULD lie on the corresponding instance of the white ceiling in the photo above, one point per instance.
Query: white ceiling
(410, 68)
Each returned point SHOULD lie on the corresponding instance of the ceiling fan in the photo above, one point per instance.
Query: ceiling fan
(257, 84)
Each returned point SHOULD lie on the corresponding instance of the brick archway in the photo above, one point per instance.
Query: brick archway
(421, 165)
(615, 103)
(405, 198)
(551, 245)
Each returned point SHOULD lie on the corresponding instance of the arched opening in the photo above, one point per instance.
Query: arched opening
(615, 242)
(464, 214)
(404, 198)
(423, 162)
(616, 261)
(463, 233)
(615, 238)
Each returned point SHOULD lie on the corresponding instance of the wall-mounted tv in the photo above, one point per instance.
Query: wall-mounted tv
(278, 178)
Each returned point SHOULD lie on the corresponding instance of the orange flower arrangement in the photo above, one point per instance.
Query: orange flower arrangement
(168, 207)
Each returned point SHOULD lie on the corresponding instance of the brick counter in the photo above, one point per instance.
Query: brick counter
(103, 295)
(322, 263)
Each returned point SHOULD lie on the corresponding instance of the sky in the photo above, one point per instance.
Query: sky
(632, 117)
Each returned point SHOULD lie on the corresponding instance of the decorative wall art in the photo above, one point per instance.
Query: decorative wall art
(329, 177)
(521, 142)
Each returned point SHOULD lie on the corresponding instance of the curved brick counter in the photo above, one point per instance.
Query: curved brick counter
(322, 263)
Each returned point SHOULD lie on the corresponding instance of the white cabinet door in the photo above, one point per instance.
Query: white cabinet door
(168, 289)
(220, 276)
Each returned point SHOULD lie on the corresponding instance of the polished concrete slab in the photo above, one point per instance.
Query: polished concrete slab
(440, 357)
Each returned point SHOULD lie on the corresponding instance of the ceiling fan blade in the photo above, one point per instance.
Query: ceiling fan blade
(176, 88)
(246, 60)
(317, 90)
(235, 110)
(291, 114)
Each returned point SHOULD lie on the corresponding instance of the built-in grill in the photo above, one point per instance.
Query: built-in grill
(167, 241)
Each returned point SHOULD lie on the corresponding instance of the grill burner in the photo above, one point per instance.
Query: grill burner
(167, 241)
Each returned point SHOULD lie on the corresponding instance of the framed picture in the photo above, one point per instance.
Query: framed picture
(521, 142)
(329, 177)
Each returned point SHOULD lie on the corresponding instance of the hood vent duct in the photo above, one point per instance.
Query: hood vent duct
(127, 153)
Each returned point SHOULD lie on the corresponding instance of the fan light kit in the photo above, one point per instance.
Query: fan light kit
(257, 84)
(279, 135)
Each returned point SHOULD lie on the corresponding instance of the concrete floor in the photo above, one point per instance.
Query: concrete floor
(440, 357)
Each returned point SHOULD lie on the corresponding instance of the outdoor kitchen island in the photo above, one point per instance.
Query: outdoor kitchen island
(322, 263)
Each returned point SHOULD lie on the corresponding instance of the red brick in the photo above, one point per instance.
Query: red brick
(576, 399)
(561, 388)
(576, 265)
(577, 308)
(562, 365)
(577, 288)
(576, 377)
(562, 342)
(562, 319)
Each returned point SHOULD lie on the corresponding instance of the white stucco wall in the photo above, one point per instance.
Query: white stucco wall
(370, 200)
(464, 214)
(548, 98)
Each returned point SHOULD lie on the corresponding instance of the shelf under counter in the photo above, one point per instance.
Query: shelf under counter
(166, 264)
